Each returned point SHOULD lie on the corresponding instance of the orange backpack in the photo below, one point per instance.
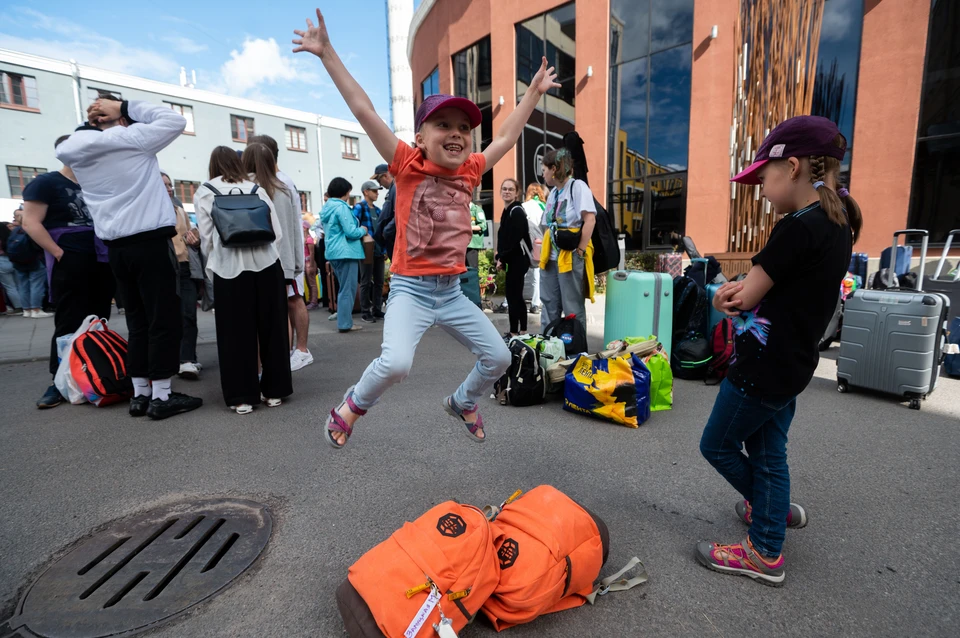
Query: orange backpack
(550, 551)
(448, 553)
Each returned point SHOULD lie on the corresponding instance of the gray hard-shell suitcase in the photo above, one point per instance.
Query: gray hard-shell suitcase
(946, 283)
(893, 340)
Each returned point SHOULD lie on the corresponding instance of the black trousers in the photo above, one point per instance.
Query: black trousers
(189, 290)
(516, 271)
(80, 286)
(252, 312)
(147, 275)
(371, 286)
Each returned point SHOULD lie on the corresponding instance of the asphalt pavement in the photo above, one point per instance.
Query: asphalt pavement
(880, 556)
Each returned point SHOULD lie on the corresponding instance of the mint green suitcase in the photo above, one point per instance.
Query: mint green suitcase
(639, 304)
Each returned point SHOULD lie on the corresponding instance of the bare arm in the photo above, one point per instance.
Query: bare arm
(586, 232)
(506, 138)
(316, 40)
(735, 296)
(33, 215)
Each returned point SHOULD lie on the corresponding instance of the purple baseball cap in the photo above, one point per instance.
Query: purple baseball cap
(800, 136)
(440, 101)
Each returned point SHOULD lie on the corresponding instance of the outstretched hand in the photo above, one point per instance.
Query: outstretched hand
(545, 79)
(315, 39)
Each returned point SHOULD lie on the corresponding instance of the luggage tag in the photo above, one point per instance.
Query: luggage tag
(424, 613)
(444, 628)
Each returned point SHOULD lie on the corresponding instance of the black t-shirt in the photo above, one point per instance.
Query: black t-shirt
(65, 208)
(776, 344)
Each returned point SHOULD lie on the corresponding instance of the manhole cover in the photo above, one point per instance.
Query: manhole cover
(142, 571)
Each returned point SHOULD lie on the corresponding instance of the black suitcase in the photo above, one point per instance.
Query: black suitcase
(943, 283)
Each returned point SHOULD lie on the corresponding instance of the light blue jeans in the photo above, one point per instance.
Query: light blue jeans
(33, 285)
(415, 304)
(8, 280)
(348, 276)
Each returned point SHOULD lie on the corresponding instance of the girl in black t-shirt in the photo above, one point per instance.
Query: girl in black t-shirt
(779, 313)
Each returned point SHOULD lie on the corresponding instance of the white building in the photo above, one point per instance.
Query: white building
(42, 99)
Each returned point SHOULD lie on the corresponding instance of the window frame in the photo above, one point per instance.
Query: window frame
(180, 192)
(304, 201)
(354, 142)
(433, 78)
(37, 171)
(7, 79)
(249, 131)
(301, 133)
(191, 128)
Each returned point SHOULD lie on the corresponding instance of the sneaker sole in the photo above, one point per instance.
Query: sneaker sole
(47, 406)
(167, 416)
(769, 581)
(300, 366)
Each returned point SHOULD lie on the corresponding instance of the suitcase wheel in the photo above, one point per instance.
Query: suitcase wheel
(914, 404)
(842, 387)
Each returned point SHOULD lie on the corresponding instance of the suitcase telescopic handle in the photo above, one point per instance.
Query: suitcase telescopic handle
(943, 256)
(925, 234)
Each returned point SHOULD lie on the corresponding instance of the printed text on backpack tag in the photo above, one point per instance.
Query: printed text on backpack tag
(425, 610)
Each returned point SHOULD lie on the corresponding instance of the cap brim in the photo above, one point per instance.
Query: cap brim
(749, 174)
(462, 103)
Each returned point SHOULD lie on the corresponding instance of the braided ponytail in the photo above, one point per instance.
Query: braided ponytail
(824, 170)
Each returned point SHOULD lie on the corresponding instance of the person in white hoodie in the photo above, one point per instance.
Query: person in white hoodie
(114, 157)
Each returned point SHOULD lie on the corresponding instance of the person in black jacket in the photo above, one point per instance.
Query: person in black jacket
(513, 253)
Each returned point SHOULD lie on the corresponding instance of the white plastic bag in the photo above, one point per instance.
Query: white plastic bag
(64, 380)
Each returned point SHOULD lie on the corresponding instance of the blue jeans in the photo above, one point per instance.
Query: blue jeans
(759, 425)
(415, 304)
(348, 274)
(8, 280)
(33, 285)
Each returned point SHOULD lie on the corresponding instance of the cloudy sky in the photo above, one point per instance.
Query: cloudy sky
(236, 48)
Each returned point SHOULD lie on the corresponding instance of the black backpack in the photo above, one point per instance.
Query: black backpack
(571, 332)
(386, 232)
(242, 219)
(690, 308)
(22, 250)
(606, 248)
(691, 357)
(524, 382)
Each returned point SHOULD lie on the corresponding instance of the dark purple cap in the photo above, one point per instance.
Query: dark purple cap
(800, 136)
(440, 101)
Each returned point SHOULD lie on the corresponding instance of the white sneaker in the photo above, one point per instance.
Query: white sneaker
(300, 359)
(39, 314)
(243, 408)
(189, 370)
(28, 314)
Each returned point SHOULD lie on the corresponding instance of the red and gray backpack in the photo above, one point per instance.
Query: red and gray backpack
(722, 344)
(98, 365)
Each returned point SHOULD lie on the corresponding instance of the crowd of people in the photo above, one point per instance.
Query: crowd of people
(109, 226)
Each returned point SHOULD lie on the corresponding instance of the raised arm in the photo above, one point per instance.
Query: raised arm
(155, 127)
(316, 40)
(506, 138)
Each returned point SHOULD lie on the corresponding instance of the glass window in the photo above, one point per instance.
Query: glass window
(430, 86)
(304, 201)
(553, 35)
(471, 79)
(187, 113)
(20, 176)
(838, 66)
(94, 94)
(19, 91)
(650, 72)
(185, 190)
(350, 147)
(241, 128)
(936, 172)
(296, 138)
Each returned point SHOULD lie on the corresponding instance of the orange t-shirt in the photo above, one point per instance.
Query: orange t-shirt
(432, 211)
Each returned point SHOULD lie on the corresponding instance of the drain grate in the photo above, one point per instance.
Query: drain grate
(141, 571)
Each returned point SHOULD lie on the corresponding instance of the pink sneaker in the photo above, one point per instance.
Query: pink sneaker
(796, 517)
(741, 559)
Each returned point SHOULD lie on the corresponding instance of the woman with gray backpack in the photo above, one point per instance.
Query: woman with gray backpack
(239, 231)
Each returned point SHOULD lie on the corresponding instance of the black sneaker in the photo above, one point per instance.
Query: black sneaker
(50, 399)
(177, 404)
(378, 315)
(138, 405)
(367, 318)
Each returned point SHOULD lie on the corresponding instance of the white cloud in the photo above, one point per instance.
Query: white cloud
(837, 19)
(88, 47)
(260, 62)
(184, 45)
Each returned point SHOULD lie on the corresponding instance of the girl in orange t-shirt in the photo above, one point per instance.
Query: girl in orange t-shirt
(435, 182)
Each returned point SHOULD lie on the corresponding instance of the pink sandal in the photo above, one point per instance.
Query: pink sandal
(472, 428)
(336, 423)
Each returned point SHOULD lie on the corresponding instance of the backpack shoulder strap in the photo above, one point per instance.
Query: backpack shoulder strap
(210, 186)
(256, 187)
(618, 583)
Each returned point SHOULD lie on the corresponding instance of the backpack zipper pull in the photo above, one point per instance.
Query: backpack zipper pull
(413, 591)
(512, 498)
(457, 595)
